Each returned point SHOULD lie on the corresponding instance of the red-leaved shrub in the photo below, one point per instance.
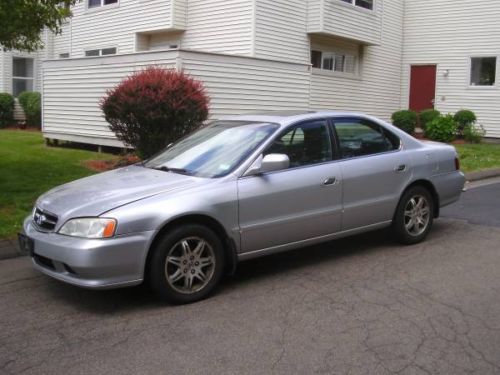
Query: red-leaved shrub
(155, 107)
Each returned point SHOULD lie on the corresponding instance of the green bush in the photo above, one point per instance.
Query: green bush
(405, 120)
(464, 118)
(442, 129)
(6, 109)
(425, 117)
(474, 133)
(32, 107)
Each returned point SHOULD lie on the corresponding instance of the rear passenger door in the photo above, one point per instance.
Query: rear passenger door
(375, 170)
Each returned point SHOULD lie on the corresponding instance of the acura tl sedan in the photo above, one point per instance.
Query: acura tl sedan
(239, 188)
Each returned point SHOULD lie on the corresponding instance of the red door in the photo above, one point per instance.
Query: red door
(422, 87)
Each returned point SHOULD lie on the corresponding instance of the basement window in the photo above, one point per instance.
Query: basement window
(483, 71)
(22, 75)
(100, 52)
(100, 3)
(64, 55)
(334, 61)
(366, 4)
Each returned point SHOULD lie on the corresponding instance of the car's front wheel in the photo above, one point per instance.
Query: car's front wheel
(186, 264)
(414, 216)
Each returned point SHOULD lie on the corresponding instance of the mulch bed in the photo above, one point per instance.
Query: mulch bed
(107, 165)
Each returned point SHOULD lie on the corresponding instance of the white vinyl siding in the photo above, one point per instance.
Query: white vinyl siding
(340, 19)
(237, 84)
(376, 89)
(62, 42)
(281, 30)
(179, 14)
(448, 34)
(117, 25)
(221, 26)
(72, 90)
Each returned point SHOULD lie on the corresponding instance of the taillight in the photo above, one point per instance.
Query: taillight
(457, 163)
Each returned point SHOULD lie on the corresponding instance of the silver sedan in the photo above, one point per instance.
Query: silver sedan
(239, 188)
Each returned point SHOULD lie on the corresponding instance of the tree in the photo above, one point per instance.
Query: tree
(22, 21)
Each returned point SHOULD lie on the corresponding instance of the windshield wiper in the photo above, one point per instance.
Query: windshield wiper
(164, 168)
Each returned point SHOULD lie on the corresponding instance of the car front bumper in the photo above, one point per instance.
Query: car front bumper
(90, 263)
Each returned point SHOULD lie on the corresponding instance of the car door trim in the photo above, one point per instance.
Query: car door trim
(310, 241)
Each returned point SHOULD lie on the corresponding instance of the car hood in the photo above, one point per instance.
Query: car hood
(95, 195)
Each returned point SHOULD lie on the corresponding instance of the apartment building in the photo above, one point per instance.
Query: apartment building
(373, 56)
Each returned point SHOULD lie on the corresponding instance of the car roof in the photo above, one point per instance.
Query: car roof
(287, 117)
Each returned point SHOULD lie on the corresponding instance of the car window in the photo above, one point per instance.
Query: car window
(360, 137)
(305, 144)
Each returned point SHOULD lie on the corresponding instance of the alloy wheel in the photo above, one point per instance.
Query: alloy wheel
(190, 265)
(416, 215)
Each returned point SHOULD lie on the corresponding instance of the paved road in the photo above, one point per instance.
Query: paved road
(354, 306)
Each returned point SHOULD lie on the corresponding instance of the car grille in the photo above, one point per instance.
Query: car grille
(44, 220)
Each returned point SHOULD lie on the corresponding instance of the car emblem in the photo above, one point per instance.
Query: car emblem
(40, 218)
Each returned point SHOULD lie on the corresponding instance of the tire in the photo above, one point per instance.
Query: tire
(414, 216)
(187, 264)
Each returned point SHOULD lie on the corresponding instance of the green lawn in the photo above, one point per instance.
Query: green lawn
(478, 157)
(28, 168)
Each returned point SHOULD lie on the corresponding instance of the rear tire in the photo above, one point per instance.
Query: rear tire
(187, 264)
(414, 216)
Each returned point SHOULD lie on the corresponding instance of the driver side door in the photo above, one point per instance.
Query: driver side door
(296, 204)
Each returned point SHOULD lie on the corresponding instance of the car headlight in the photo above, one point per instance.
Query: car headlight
(94, 227)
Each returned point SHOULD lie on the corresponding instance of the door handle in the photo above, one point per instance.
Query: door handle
(330, 181)
(400, 168)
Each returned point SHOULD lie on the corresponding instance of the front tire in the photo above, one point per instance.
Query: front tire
(414, 216)
(187, 264)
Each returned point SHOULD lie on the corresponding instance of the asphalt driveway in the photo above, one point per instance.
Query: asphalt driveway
(354, 306)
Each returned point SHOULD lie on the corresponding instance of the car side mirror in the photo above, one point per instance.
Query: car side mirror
(269, 163)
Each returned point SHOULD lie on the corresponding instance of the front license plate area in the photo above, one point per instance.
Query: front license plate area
(26, 244)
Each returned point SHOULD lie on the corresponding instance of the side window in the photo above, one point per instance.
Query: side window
(359, 137)
(305, 144)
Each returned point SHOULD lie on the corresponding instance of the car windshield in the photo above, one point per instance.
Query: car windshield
(215, 150)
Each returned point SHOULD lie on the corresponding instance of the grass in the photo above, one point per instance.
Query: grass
(28, 168)
(476, 157)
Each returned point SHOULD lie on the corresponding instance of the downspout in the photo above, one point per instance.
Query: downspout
(403, 43)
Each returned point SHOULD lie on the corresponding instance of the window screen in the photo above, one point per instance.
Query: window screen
(483, 71)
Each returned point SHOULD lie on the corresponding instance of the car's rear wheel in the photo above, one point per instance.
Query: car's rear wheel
(186, 264)
(414, 215)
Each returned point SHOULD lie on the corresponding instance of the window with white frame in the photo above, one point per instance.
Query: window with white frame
(22, 75)
(100, 52)
(367, 4)
(334, 61)
(64, 55)
(100, 3)
(483, 71)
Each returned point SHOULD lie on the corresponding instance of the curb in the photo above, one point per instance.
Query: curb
(482, 175)
(9, 249)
